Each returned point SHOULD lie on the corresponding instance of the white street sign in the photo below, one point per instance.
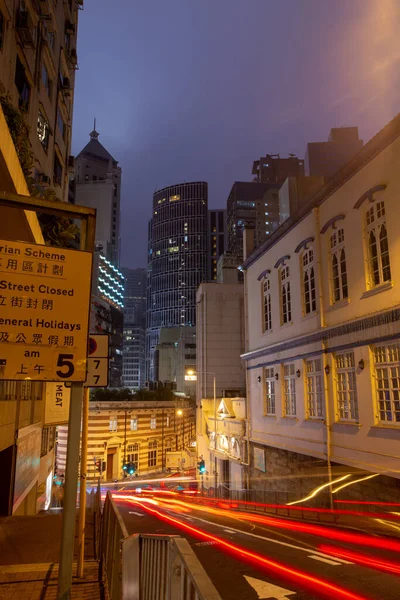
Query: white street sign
(97, 363)
(268, 590)
(97, 373)
(44, 312)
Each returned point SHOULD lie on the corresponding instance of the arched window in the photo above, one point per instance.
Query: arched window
(378, 247)
(338, 266)
(308, 268)
(286, 302)
(267, 318)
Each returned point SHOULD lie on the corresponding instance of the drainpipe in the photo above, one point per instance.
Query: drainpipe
(325, 362)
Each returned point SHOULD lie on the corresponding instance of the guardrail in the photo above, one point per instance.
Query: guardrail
(149, 567)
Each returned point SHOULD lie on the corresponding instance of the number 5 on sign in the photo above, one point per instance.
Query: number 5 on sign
(97, 372)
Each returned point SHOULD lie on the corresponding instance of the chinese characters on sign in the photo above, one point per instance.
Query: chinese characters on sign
(44, 312)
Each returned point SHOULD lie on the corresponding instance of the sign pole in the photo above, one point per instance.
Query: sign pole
(82, 494)
(71, 485)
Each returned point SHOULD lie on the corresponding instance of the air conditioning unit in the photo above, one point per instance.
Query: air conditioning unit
(44, 179)
(73, 58)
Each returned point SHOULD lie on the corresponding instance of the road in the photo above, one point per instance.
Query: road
(248, 557)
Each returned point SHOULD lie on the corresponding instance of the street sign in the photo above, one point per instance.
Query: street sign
(97, 363)
(44, 312)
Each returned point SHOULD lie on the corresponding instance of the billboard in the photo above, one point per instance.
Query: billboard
(57, 404)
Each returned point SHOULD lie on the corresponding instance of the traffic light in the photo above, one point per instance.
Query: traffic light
(131, 468)
(125, 467)
(202, 467)
(98, 465)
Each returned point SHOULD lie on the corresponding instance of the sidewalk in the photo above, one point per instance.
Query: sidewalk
(29, 554)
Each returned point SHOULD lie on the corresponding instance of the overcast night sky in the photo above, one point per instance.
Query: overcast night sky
(197, 89)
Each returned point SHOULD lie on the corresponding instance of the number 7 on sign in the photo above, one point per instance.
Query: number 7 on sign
(97, 372)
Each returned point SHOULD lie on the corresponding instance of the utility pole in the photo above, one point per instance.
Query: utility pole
(83, 475)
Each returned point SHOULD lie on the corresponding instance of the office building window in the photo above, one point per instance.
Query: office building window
(346, 388)
(387, 370)
(269, 397)
(134, 424)
(378, 248)
(338, 266)
(152, 454)
(289, 387)
(309, 297)
(315, 386)
(267, 304)
(286, 303)
(113, 423)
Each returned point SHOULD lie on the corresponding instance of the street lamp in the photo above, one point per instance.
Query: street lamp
(180, 414)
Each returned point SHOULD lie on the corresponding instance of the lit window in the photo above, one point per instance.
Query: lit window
(153, 423)
(168, 421)
(267, 304)
(338, 266)
(314, 388)
(346, 388)
(269, 396)
(289, 385)
(43, 130)
(113, 423)
(134, 424)
(310, 303)
(174, 198)
(286, 303)
(378, 248)
(387, 369)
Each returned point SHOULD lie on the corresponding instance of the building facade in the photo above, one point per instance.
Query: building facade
(177, 260)
(254, 205)
(271, 168)
(176, 359)
(106, 313)
(220, 342)
(38, 59)
(216, 240)
(141, 432)
(98, 185)
(134, 344)
(323, 159)
(322, 350)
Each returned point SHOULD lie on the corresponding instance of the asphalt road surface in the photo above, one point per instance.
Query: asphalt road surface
(248, 558)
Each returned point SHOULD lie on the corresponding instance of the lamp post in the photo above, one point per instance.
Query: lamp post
(180, 414)
(215, 426)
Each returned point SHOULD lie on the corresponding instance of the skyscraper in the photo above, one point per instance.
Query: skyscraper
(271, 168)
(134, 344)
(325, 158)
(177, 260)
(98, 184)
(216, 239)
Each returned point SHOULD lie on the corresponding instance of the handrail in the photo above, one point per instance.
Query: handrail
(147, 566)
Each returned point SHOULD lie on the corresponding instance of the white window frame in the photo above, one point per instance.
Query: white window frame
(134, 423)
(387, 383)
(168, 420)
(267, 305)
(379, 271)
(113, 424)
(338, 267)
(314, 388)
(153, 422)
(346, 387)
(269, 392)
(308, 281)
(285, 293)
(289, 390)
(133, 454)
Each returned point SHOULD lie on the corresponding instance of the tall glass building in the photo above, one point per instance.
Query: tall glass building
(177, 260)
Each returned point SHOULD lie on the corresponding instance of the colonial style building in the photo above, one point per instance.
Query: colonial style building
(141, 432)
(322, 340)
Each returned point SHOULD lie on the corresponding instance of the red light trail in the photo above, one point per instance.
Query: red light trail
(328, 589)
(363, 559)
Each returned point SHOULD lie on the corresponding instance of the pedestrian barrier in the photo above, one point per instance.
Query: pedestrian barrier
(149, 567)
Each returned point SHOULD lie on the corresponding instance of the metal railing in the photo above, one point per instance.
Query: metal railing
(149, 567)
